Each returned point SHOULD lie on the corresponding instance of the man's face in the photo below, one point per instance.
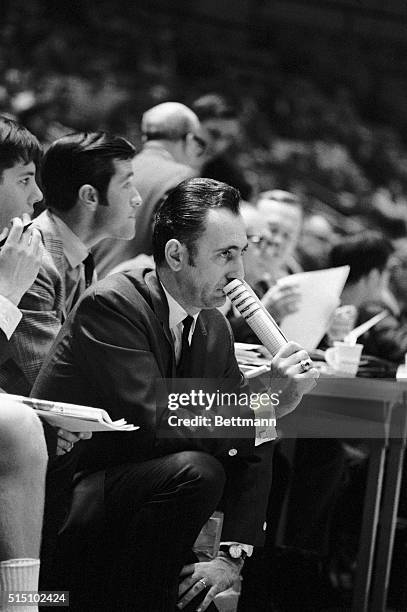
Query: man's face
(220, 134)
(257, 263)
(118, 217)
(18, 191)
(284, 224)
(217, 259)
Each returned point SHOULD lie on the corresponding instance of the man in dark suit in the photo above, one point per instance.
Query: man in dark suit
(161, 483)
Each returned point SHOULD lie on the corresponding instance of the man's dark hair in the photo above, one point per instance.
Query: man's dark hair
(183, 214)
(214, 106)
(363, 252)
(80, 159)
(17, 145)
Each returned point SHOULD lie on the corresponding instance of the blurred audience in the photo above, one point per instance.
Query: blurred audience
(221, 127)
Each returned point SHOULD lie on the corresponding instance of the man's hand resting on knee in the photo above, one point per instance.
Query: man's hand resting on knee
(218, 575)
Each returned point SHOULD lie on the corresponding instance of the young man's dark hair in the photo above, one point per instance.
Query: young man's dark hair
(80, 159)
(214, 106)
(17, 144)
(182, 215)
(363, 252)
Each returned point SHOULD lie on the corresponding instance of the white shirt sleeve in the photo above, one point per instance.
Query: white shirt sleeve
(10, 316)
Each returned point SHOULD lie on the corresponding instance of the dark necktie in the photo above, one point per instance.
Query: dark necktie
(184, 361)
(89, 265)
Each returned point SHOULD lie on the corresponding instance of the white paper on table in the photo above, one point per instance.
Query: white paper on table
(320, 294)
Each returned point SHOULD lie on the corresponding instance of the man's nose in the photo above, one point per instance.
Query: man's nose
(237, 269)
(136, 200)
(36, 195)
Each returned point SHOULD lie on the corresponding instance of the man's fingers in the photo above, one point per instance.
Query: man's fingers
(85, 435)
(210, 596)
(288, 349)
(16, 230)
(64, 446)
(187, 569)
(3, 233)
(33, 237)
(68, 436)
(197, 587)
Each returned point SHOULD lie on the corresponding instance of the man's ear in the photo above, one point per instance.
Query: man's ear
(89, 196)
(175, 254)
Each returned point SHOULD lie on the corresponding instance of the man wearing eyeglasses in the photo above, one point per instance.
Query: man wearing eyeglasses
(173, 144)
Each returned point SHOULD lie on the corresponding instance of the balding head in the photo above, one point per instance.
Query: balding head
(169, 121)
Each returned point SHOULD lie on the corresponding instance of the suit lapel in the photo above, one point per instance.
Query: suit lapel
(160, 307)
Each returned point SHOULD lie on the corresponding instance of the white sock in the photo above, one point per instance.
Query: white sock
(19, 575)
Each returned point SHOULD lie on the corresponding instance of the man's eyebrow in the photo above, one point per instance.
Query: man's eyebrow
(127, 176)
(232, 247)
(26, 173)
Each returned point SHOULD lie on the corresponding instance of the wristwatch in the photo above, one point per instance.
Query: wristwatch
(233, 551)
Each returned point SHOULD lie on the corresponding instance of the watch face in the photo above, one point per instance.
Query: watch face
(235, 551)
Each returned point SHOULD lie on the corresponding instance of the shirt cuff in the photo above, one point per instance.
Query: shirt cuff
(10, 316)
(248, 548)
(266, 429)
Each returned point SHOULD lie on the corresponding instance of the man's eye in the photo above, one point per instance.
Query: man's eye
(25, 181)
(227, 254)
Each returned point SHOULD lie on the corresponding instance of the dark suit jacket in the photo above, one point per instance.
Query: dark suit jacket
(109, 353)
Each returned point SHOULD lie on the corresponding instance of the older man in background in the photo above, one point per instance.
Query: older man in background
(172, 143)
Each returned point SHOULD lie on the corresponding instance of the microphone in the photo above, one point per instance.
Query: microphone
(255, 314)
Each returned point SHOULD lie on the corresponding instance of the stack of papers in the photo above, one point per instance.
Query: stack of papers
(72, 417)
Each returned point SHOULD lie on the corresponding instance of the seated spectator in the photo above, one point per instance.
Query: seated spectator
(283, 215)
(315, 242)
(268, 258)
(90, 194)
(368, 255)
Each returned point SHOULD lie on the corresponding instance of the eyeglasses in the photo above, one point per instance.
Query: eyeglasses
(259, 241)
(202, 144)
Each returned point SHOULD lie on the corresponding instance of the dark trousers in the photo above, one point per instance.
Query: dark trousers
(130, 530)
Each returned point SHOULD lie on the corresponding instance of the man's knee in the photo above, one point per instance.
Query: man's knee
(22, 440)
(205, 471)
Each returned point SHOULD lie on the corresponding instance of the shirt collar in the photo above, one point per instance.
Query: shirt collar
(74, 249)
(176, 313)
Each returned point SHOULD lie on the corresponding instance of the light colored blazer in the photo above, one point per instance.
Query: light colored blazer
(43, 308)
